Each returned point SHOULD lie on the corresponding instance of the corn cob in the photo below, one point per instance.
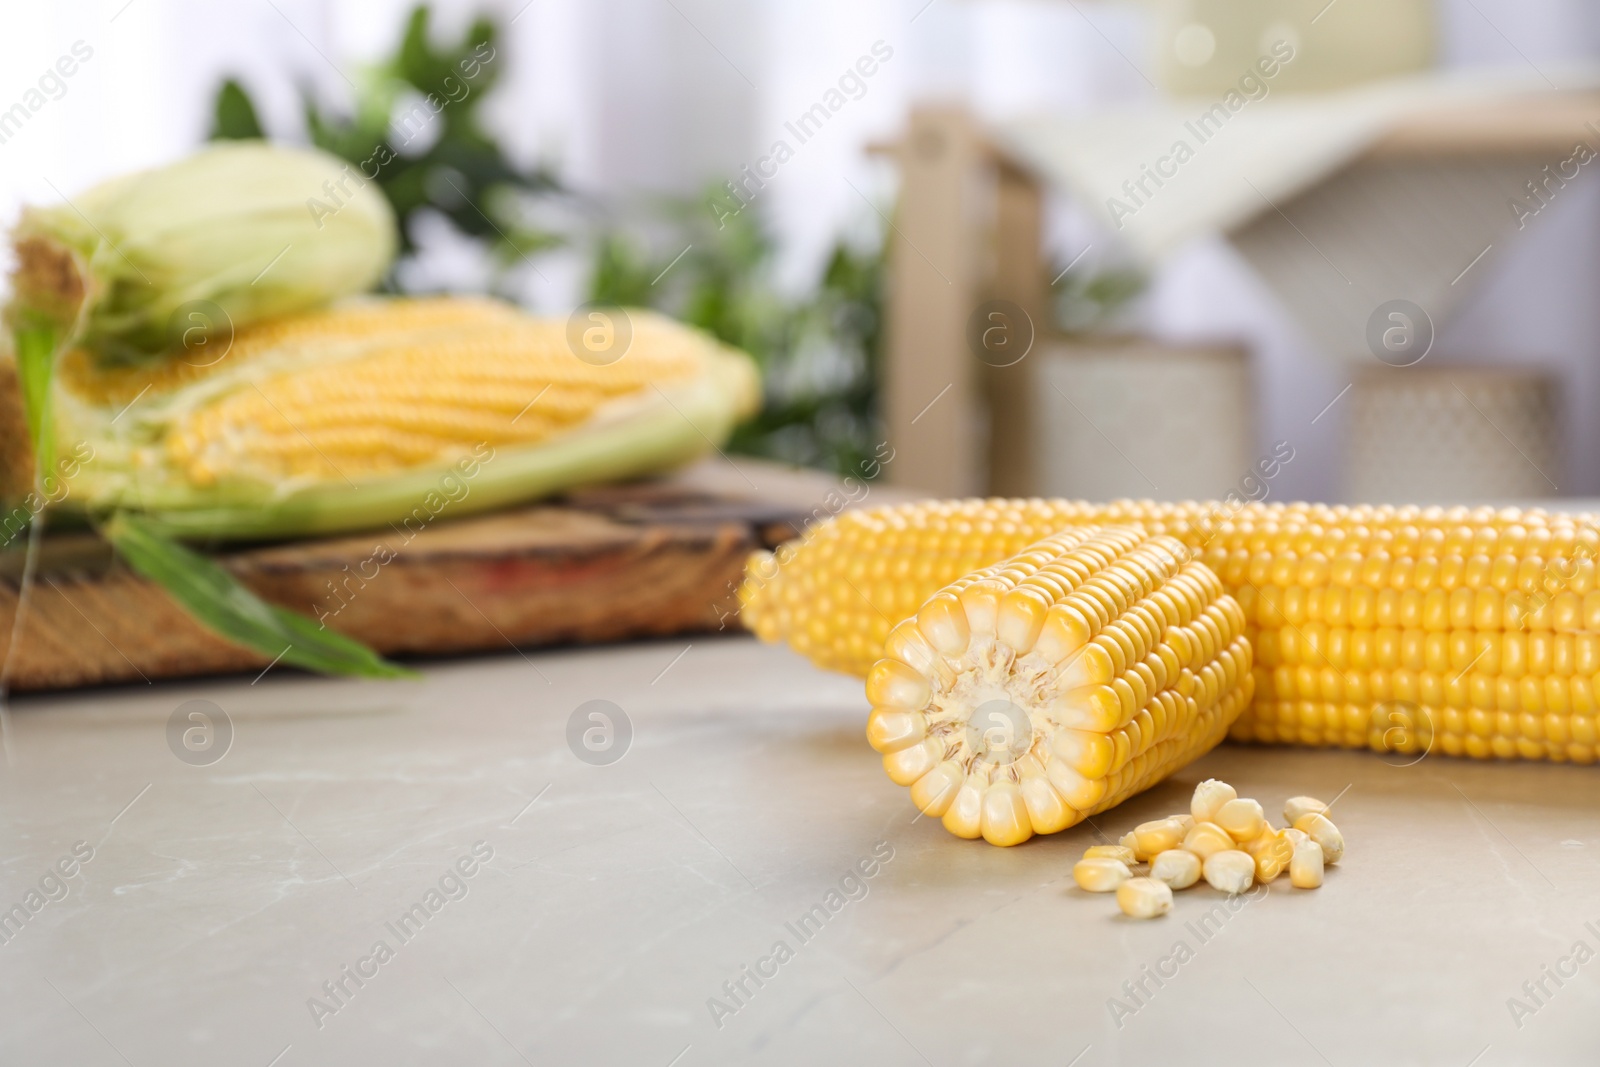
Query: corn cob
(350, 416)
(1059, 682)
(228, 226)
(1469, 631)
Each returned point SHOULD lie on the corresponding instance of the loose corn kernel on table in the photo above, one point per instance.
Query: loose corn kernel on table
(427, 873)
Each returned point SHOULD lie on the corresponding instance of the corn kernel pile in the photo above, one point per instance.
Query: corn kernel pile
(1225, 839)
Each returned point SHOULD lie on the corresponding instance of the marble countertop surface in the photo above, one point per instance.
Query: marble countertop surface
(428, 873)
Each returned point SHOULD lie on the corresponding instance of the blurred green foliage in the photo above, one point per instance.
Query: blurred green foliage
(818, 351)
(1097, 301)
(414, 128)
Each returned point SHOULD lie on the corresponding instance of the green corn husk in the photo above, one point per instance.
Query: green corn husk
(212, 596)
(232, 235)
(109, 285)
(116, 455)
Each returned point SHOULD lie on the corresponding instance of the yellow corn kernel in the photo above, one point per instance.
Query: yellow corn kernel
(1295, 807)
(1152, 838)
(1210, 795)
(1272, 851)
(1100, 875)
(1110, 852)
(1207, 839)
(1144, 898)
(1177, 867)
(1305, 865)
(1242, 818)
(1320, 828)
(1230, 871)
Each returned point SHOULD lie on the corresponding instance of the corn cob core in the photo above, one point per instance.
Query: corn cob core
(370, 389)
(1469, 631)
(1058, 683)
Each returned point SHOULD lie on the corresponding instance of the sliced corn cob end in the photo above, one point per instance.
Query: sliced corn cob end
(1057, 683)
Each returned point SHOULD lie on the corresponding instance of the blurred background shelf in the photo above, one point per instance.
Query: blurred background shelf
(1416, 196)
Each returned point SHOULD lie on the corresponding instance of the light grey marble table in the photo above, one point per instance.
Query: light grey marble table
(534, 908)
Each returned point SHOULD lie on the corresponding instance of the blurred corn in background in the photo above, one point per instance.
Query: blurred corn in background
(520, 163)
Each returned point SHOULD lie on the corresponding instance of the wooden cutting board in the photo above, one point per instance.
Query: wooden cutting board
(642, 560)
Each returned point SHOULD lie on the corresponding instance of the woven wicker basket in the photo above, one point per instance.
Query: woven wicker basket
(1449, 435)
(1138, 419)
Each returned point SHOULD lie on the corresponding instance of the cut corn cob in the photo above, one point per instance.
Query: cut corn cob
(1058, 683)
(1469, 631)
(358, 415)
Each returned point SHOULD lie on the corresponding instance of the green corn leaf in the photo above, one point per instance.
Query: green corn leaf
(218, 601)
(36, 353)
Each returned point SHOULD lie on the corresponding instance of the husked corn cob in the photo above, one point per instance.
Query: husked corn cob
(354, 392)
(1058, 683)
(1468, 631)
(350, 416)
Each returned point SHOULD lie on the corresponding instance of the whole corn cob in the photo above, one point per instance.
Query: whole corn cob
(1057, 683)
(351, 416)
(1469, 631)
(228, 225)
